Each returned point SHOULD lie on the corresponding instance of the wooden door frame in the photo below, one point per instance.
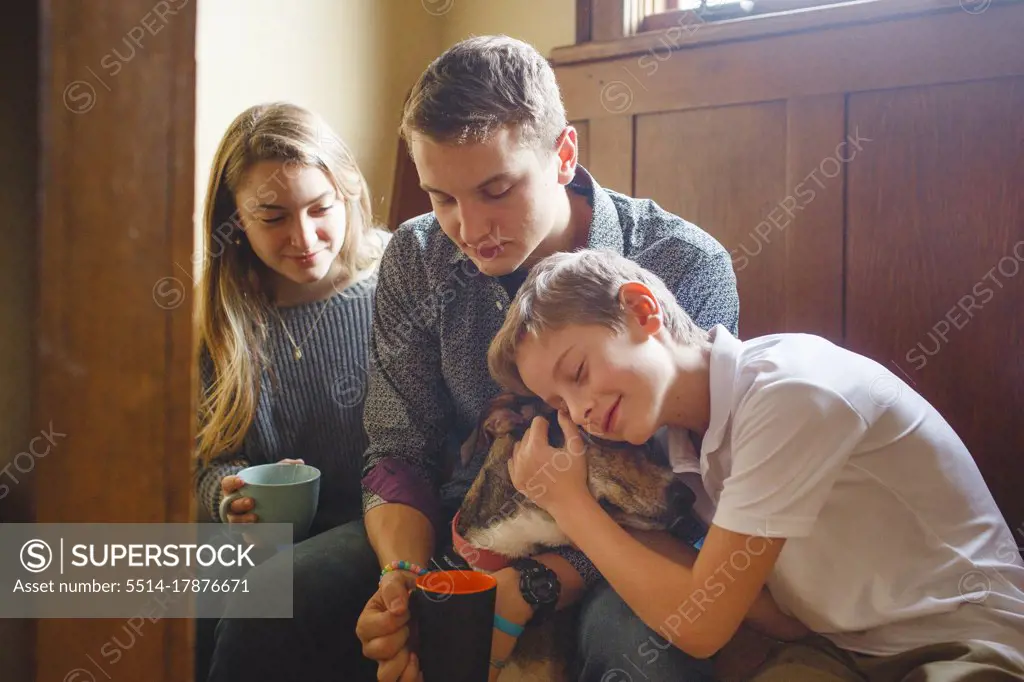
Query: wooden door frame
(114, 337)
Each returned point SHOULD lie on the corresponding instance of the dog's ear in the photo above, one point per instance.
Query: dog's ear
(479, 440)
(503, 421)
(476, 442)
(501, 418)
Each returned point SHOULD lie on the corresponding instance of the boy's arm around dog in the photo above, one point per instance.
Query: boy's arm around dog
(699, 621)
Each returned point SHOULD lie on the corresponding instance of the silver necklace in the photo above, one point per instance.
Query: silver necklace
(297, 347)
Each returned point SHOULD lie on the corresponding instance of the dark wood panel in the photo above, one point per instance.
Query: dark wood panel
(407, 199)
(583, 140)
(810, 217)
(935, 246)
(583, 21)
(946, 47)
(114, 347)
(611, 160)
(725, 170)
(607, 19)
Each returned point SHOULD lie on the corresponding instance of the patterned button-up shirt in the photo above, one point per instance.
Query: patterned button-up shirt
(436, 315)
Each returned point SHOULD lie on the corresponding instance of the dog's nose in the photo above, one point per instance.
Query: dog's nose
(680, 498)
(682, 522)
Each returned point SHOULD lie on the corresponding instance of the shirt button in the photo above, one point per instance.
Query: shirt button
(498, 305)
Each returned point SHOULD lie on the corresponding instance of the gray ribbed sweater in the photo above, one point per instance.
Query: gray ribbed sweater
(314, 410)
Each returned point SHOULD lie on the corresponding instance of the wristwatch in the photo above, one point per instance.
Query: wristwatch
(539, 586)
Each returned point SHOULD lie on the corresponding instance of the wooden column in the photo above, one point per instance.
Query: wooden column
(113, 319)
(607, 19)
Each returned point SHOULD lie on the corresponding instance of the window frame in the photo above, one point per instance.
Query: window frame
(602, 24)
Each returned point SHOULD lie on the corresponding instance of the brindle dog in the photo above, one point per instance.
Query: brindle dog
(634, 484)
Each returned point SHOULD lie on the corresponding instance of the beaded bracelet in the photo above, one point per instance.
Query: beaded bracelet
(403, 566)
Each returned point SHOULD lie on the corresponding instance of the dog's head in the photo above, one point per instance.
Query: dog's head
(507, 416)
(492, 498)
(636, 487)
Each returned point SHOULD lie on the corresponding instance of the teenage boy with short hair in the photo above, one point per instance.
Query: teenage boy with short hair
(488, 134)
(868, 520)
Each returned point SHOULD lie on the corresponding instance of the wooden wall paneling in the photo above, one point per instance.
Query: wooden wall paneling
(954, 46)
(809, 219)
(408, 199)
(935, 251)
(114, 327)
(611, 161)
(607, 19)
(583, 21)
(583, 140)
(724, 169)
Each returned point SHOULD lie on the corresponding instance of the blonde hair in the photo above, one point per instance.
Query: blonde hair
(482, 84)
(578, 288)
(233, 305)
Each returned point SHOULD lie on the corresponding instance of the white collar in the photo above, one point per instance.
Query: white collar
(725, 352)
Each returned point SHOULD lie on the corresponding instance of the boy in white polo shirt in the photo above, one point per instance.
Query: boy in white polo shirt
(832, 482)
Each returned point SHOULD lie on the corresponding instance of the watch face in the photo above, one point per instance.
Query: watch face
(543, 587)
(544, 590)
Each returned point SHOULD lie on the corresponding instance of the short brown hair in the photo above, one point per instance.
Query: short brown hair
(482, 84)
(581, 288)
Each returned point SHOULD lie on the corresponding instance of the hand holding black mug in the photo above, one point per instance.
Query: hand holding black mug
(385, 629)
(453, 612)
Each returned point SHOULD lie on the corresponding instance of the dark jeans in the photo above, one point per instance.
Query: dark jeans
(616, 646)
(335, 574)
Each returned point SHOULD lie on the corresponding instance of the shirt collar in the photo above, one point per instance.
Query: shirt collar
(725, 352)
(605, 230)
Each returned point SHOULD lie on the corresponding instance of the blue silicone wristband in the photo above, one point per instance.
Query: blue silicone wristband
(507, 626)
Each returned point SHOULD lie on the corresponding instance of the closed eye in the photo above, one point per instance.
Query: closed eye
(579, 372)
(498, 195)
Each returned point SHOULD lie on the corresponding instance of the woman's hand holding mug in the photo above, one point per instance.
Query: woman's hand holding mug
(240, 510)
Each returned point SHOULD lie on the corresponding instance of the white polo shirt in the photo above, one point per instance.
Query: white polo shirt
(893, 538)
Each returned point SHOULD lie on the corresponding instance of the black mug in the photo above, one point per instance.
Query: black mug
(454, 615)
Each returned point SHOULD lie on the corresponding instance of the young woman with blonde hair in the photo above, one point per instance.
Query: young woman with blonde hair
(285, 305)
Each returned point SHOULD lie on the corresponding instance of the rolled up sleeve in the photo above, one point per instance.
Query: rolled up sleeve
(407, 409)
